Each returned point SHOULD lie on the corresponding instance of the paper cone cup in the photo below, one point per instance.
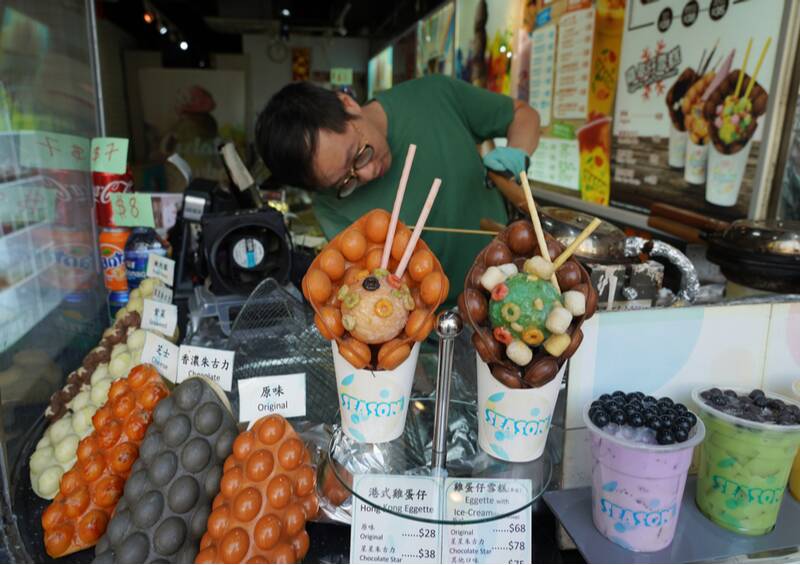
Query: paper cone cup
(513, 423)
(725, 173)
(374, 404)
(677, 147)
(694, 171)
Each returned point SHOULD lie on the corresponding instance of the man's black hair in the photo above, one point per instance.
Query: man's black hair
(287, 130)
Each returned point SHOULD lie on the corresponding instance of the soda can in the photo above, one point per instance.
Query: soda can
(106, 185)
(112, 257)
(117, 300)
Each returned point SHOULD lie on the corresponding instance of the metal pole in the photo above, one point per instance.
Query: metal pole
(448, 326)
(94, 54)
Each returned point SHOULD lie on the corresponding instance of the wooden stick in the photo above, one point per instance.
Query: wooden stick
(398, 202)
(423, 217)
(537, 226)
(740, 80)
(567, 253)
(457, 230)
(758, 67)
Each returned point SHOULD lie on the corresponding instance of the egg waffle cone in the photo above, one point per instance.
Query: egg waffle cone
(349, 258)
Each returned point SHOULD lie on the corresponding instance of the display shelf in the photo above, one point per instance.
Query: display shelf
(410, 455)
(697, 539)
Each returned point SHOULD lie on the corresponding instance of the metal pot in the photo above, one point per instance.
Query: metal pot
(609, 245)
(764, 255)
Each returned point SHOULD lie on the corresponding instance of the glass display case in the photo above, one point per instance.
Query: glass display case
(52, 303)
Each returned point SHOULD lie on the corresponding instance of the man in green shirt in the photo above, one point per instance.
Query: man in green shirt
(352, 155)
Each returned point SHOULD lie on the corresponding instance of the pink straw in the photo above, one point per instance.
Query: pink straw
(398, 202)
(423, 217)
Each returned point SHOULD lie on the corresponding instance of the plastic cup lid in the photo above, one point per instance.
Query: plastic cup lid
(697, 434)
(736, 420)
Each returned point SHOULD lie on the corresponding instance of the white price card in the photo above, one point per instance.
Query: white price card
(162, 354)
(161, 268)
(280, 394)
(497, 541)
(377, 536)
(162, 293)
(159, 317)
(214, 364)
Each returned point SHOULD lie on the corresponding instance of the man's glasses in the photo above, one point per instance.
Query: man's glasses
(349, 183)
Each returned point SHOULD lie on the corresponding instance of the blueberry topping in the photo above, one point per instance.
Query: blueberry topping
(604, 397)
(618, 394)
(618, 417)
(666, 420)
(692, 418)
(731, 393)
(715, 392)
(664, 436)
(775, 404)
(761, 401)
(654, 423)
(649, 400)
(680, 434)
(371, 284)
(756, 393)
(680, 408)
(682, 423)
(599, 419)
(719, 400)
(636, 419)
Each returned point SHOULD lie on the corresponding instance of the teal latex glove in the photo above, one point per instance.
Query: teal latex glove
(508, 161)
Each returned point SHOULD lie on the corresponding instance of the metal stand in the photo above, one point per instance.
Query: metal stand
(448, 326)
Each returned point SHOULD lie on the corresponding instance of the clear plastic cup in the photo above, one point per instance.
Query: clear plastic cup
(744, 468)
(374, 404)
(637, 488)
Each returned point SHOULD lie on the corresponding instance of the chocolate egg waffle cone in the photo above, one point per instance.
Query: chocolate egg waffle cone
(116, 334)
(676, 93)
(167, 499)
(516, 244)
(266, 496)
(90, 491)
(758, 98)
(349, 259)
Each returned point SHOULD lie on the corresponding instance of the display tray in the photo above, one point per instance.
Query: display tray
(410, 455)
(329, 542)
(697, 539)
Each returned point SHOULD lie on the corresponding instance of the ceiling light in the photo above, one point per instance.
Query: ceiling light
(148, 18)
(286, 13)
(163, 30)
(508, 54)
(502, 49)
(184, 45)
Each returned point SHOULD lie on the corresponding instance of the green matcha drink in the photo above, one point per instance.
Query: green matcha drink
(751, 441)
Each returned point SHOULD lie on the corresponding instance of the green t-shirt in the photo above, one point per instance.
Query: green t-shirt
(446, 118)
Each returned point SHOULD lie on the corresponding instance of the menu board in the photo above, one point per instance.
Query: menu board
(575, 38)
(555, 162)
(691, 103)
(542, 65)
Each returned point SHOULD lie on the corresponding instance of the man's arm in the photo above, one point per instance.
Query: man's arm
(523, 131)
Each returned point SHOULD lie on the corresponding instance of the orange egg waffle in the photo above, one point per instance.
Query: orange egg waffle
(267, 494)
(89, 492)
(355, 255)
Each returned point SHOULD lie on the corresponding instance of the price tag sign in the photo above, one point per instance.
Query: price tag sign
(214, 364)
(162, 354)
(48, 150)
(162, 268)
(498, 541)
(160, 317)
(162, 293)
(341, 76)
(281, 394)
(377, 536)
(109, 155)
(132, 209)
